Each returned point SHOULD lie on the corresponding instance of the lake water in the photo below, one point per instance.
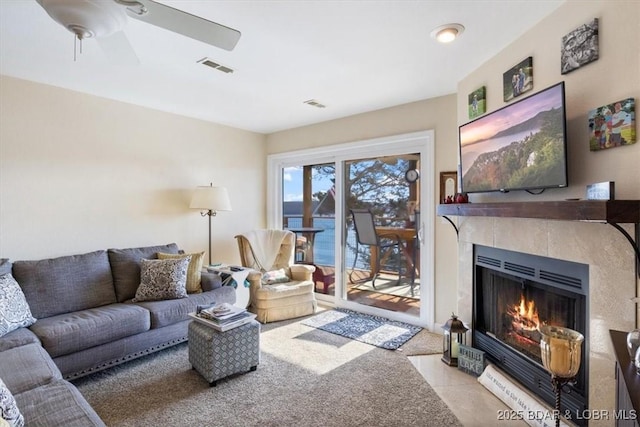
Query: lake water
(324, 247)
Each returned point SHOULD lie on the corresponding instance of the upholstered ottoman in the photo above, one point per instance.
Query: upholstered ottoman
(216, 355)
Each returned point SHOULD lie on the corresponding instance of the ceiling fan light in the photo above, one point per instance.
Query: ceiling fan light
(447, 33)
(86, 18)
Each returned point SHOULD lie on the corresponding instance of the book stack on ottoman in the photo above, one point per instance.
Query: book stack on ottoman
(217, 350)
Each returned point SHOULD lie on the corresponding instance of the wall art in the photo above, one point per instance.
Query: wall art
(612, 125)
(518, 80)
(477, 102)
(579, 47)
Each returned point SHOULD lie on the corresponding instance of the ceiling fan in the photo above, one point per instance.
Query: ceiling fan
(102, 18)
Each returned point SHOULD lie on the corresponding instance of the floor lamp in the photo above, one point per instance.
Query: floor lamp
(211, 199)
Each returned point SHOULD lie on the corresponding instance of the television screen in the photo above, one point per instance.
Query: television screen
(519, 147)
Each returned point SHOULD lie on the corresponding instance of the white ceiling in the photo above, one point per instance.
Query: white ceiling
(353, 56)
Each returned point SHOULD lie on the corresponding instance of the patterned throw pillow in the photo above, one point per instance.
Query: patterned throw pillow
(14, 310)
(275, 276)
(194, 273)
(162, 279)
(9, 411)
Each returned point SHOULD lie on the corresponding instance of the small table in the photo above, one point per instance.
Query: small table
(310, 234)
(407, 235)
(243, 294)
(216, 355)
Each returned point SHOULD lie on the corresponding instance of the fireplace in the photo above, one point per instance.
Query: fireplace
(513, 294)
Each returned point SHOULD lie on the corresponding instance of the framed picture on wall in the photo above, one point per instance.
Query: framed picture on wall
(518, 79)
(477, 102)
(612, 125)
(579, 47)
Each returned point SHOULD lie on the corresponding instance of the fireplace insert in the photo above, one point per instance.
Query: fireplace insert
(514, 293)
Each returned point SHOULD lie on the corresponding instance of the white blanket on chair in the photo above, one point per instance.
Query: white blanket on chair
(265, 245)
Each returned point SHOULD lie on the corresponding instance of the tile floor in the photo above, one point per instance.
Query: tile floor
(473, 404)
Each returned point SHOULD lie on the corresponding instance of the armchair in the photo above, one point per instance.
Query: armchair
(270, 251)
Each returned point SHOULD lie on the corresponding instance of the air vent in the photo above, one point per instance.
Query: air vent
(522, 269)
(488, 261)
(314, 103)
(560, 279)
(209, 63)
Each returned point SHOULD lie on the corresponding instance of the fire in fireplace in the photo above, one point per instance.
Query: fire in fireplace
(515, 293)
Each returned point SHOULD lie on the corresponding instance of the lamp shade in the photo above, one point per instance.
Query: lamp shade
(210, 198)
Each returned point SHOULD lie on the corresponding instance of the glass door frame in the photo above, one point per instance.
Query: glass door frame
(417, 142)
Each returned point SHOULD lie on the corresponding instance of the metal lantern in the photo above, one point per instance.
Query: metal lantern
(455, 334)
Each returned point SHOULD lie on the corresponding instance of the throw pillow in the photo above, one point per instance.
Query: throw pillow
(194, 272)
(14, 309)
(162, 279)
(9, 411)
(275, 276)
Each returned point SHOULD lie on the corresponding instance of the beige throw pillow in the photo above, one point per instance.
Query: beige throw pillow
(194, 270)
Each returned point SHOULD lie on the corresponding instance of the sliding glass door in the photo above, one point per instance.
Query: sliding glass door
(313, 193)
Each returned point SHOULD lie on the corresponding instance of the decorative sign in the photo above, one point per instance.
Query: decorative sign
(601, 191)
(471, 360)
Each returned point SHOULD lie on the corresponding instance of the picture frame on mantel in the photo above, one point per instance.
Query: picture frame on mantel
(448, 184)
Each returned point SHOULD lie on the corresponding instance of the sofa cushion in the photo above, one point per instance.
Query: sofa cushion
(5, 266)
(26, 367)
(162, 279)
(72, 332)
(125, 265)
(164, 313)
(194, 272)
(66, 284)
(210, 281)
(9, 411)
(14, 310)
(22, 336)
(58, 403)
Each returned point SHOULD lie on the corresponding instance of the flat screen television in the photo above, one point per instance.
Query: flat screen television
(522, 146)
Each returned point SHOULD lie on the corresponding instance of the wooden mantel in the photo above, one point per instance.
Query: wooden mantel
(611, 211)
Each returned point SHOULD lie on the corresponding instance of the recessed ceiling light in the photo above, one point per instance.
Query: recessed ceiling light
(447, 33)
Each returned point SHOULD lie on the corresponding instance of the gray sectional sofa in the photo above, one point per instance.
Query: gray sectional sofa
(86, 322)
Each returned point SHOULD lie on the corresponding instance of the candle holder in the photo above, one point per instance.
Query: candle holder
(560, 350)
(454, 335)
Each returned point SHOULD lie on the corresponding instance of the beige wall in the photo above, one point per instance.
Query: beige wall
(437, 114)
(614, 76)
(80, 173)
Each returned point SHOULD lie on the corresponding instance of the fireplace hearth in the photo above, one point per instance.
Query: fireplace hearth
(513, 294)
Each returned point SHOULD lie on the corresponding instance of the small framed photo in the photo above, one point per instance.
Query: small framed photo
(579, 47)
(448, 185)
(477, 102)
(612, 125)
(518, 79)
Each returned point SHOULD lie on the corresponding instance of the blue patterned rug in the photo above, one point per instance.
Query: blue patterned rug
(374, 330)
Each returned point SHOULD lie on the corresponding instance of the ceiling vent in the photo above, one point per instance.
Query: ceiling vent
(314, 103)
(209, 63)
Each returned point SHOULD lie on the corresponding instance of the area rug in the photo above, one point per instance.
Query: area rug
(374, 330)
(306, 377)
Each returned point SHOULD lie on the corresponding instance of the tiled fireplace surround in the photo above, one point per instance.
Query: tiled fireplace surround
(612, 280)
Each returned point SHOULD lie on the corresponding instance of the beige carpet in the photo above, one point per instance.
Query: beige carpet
(306, 377)
(424, 342)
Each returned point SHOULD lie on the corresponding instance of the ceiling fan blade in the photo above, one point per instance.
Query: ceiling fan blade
(118, 50)
(184, 23)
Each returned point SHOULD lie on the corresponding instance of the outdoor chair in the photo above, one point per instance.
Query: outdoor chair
(279, 288)
(366, 235)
